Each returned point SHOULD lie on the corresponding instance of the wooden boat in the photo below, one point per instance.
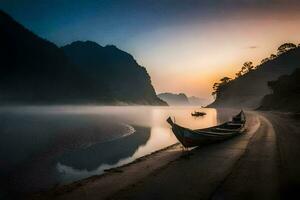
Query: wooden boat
(197, 114)
(239, 118)
(191, 138)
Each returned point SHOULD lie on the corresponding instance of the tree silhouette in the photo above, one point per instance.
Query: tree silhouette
(215, 89)
(247, 67)
(285, 47)
(272, 56)
(264, 60)
(225, 80)
(217, 86)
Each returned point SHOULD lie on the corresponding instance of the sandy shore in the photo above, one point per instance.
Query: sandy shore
(259, 164)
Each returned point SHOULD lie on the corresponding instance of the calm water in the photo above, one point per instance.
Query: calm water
(41, 147)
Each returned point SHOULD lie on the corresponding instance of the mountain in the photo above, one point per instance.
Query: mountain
(35, 71)
(285, 95)
(32, 69)
(196, 101)
(174, 99)
(248, 90)
(114, 72)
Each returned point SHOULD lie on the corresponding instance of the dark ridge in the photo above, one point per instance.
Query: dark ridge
(115, 72)
(36, 71)
(248, 90)
(285, 93)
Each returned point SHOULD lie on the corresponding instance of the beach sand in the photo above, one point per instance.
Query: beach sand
(259, 164)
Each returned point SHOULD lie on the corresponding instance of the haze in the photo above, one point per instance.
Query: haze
(186, 46)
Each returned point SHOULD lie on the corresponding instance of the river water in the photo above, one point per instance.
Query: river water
(44, 146)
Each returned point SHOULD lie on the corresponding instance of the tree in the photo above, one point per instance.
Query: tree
(264, 60)
(238, 74)
(217, 87)
(248, 65)
(225, 80)
(272, 56)
(285, 47)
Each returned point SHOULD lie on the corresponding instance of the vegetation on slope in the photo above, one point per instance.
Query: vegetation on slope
(285, 95)
(249, 86)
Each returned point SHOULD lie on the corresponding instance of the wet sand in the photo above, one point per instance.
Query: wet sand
(260, 164)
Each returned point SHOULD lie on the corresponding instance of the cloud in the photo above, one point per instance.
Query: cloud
(252, 47)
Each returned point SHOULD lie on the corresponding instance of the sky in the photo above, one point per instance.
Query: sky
(185, 45)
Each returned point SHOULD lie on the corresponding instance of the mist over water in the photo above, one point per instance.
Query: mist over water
(41, 147)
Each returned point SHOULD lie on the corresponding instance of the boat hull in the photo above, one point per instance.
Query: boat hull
(192, 138)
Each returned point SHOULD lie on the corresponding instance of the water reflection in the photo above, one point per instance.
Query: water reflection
(82, 163)
(92, 160)
(45, 146)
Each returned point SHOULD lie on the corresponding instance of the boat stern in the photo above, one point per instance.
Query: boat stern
(169, 120)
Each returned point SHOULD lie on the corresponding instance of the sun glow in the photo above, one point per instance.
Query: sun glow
(192, 57)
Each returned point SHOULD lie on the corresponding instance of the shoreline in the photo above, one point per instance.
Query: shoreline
(105, 185)
(259, 164)
(59, 190)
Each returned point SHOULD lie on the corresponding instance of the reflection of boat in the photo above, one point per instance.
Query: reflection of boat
(190, 138)
(197, 114)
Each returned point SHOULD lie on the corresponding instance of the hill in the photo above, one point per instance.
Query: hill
(174, 99)
(247, 90)
(36, 71)
(285, 95)
(114, 72)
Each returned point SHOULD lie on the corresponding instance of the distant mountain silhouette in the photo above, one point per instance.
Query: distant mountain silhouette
(114, 72)
(248, 90)
(174, 99)
(285, 95)
(35, 71)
